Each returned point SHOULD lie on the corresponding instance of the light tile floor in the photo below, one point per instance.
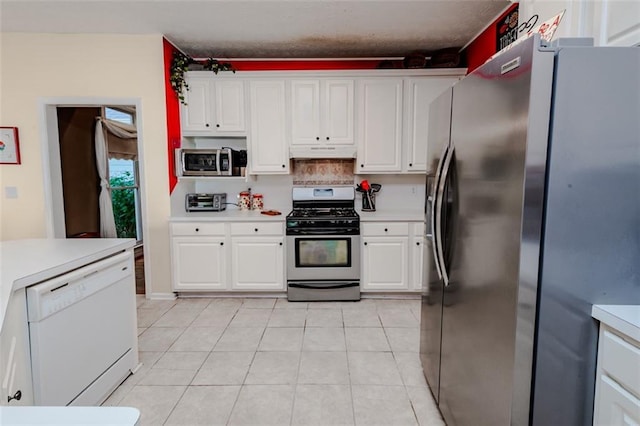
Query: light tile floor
(266, 361)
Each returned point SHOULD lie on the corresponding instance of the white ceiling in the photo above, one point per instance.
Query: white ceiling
(267, 29)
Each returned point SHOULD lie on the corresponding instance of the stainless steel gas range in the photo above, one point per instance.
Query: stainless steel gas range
(323, 245)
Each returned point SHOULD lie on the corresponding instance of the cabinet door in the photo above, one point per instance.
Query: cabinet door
(419, 93)
(268, 147)
(229, 106)
(199, 263)
(196, 114)
(385, 263)
(305, 112)
(379, 125)
(615, 405)
(257, 263)
(337, 112)
(417, 253)
(616, 23)
(15, 366)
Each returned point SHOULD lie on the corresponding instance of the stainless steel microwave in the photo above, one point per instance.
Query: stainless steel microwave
(206, 162)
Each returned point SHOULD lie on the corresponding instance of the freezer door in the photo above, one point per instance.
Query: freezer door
(497, 128)
(432, 284)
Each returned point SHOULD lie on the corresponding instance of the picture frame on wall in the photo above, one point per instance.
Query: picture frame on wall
(9, 145)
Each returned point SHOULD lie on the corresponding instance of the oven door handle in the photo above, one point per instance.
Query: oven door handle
(316, 287)
(319, 232)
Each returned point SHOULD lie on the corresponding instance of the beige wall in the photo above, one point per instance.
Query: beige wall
(36, 66)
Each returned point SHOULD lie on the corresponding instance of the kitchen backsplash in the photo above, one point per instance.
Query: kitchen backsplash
(323, 172)
(399, 192)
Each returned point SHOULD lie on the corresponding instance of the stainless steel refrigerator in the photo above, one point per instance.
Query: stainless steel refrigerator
(533, 213)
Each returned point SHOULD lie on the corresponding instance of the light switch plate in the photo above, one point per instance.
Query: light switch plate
(11, 192)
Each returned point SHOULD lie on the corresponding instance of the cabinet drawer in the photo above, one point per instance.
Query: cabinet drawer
(615, 406)
(385, 228)
(621, 361)
(197, 228)
(257, 228)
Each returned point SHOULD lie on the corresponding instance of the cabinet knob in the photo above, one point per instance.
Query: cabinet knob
(317, 138)
(256, 229)
(418, 243)
(221, 243)
(217, 125)
(386, 230)
(327, 137)
(410, 164)
(361, 165)
(280, 243)
(197, 229)
(365, 243)
(206, 125)
(283, 166)
(17, 396)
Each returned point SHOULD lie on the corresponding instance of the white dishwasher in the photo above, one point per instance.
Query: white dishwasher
(83, 332)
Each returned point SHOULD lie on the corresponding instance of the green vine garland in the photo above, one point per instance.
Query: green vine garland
(180, 64)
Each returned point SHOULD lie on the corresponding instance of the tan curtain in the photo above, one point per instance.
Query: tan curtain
(113, 140)
(122, 140)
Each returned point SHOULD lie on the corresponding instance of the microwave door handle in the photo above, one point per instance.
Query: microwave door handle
(218, 155)
(183, 162)
(439, 225)
(434, 202)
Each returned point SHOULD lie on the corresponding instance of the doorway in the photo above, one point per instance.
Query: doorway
(74, 180)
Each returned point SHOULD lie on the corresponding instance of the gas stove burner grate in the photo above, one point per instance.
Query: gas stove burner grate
(325, 213)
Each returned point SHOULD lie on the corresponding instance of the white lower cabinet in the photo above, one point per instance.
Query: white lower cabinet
(257, 256)
(416, 254)
(257, 263)
(385, 256)
(15, 369)
(392, 256)
(198, 256)
(617, 398)
(232, 256)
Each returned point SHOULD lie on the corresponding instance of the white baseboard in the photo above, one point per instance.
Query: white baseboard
(161, 296)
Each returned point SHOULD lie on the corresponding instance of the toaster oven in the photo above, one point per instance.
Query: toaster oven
(205, 202)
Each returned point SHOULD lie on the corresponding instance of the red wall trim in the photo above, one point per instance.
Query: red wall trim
(173, 114)
(484, 46)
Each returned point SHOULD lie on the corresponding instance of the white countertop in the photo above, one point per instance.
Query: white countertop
(232, 215)
(27, 262)
(67, 416)
(624, 318)
(229, 216)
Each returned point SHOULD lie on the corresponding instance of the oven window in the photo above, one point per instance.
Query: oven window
(323, 252)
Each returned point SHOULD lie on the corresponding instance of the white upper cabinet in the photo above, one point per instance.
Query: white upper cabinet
(379, 125)
(609, 22)
(268, 141)
(322, 116)
(419, 93)
(214, 107)
(305, 112)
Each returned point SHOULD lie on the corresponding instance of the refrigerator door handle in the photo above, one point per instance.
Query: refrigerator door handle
(438, 216)
(434, 202)
(429, 208)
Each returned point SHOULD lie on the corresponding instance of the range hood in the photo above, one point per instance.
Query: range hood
(322, 152)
